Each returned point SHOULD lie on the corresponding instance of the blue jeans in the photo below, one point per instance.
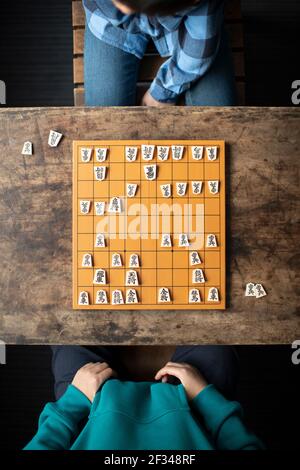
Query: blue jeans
(111, 75)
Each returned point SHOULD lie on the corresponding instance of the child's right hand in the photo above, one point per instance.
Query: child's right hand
(91, 376)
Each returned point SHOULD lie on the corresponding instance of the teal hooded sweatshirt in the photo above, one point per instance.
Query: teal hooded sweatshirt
(142, 415)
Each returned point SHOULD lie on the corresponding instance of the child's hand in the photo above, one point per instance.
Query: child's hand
(189, 376)
(90, 377)
(148, 100)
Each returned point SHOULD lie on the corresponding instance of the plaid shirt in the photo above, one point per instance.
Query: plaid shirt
(190, 39)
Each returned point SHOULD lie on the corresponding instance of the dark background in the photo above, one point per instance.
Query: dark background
(36, 64)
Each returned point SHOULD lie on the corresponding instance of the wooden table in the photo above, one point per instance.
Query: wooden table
(263, 226)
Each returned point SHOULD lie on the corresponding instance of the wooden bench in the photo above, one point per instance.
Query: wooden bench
(152, 61)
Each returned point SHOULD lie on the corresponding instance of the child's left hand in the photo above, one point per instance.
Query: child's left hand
(192, 380)
(148, 100)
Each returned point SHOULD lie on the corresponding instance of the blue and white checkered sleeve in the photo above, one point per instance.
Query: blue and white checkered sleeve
(195, 47)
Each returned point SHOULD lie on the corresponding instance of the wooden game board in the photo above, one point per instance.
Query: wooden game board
(128, 232)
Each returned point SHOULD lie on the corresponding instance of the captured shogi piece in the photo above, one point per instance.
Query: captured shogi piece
(149, 225)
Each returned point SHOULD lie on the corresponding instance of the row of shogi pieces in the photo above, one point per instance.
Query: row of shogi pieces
(148, 151)
(166, 241)
(164, 296)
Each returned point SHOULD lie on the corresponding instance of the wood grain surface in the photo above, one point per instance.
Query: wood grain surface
(262, 239)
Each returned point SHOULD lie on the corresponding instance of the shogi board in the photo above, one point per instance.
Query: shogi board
(159, 266)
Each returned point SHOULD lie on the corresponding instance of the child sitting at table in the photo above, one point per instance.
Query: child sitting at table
(189, 33)
(188, 404)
